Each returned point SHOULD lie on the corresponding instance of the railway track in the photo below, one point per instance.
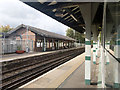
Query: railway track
(17, 73)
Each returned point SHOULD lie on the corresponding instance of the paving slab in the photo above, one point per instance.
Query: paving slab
(14, 56)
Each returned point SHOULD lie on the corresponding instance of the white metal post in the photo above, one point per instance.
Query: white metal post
(103, 66)
(52, 44)
(44, 44)
(107, 47)
(58, 44)
(94, 52)
(86, 13)
(109, 27)
(117, 64)
(103, 46)
(94, 43)
(88, 55)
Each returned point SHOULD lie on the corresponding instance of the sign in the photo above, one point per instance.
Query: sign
(38, 44)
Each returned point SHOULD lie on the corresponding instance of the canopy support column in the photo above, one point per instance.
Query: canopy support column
(44, 44)
(94, 43)
(86, 13)
(52, 44)
(58, 44)
(109, 27)
(107, 47)
(88, 56)
(117, 64)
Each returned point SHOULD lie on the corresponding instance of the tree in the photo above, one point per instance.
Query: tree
(5, 28)
(80, 37)
(76, 35)
(70, 33)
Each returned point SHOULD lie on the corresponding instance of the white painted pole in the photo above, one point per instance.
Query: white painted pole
(44, 46)
(88, 56)
(103, 67)
(109, 27)
(94, 50)
(103, 46)
(52, 45)
(107, 57)
(88, 51)
(86, 13)
(94, 43)
(116, 63)
(58, 44)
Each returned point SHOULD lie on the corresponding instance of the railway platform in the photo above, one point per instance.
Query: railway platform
(14, 56)
(21, 70)
(68, 75)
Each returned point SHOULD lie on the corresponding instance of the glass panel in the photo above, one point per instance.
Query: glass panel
(112, 45)
(110, 69)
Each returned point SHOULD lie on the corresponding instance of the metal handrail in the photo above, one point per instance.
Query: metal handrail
(112, 55)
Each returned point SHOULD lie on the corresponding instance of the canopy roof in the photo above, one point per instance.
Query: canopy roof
(68, 13)
(41, 32)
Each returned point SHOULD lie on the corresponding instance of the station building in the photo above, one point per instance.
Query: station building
(100, 20)
(36, 39)
(101, 23)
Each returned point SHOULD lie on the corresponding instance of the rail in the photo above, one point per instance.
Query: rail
(18, 72)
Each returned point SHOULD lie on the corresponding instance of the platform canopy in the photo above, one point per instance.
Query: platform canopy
(68, 13)
(40, 32)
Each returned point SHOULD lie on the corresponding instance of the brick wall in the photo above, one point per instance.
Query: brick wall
(22, 32)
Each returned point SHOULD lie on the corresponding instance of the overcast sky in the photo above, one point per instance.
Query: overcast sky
(14, 13)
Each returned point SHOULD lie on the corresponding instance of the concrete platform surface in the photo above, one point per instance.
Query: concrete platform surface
(60, 76)
(77, 78)
(55, 77)
(8, 57)
(24, 55)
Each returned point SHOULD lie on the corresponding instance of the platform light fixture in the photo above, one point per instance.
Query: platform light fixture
(73, 17)
(59, 13)
(84, 28)
(52, 3)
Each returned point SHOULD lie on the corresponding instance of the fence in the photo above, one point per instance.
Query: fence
(79, 44)
(10, 46)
